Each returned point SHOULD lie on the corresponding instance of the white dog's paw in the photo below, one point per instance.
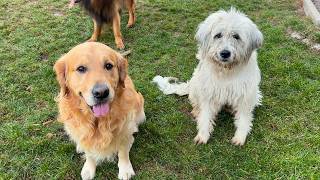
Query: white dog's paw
(125, 171)
(238, 140)
(201, 138)
(88, 171)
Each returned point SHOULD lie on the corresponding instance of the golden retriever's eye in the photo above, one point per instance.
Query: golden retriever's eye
(108, 66)
(236, 36)
(81, 69)
(217, 36)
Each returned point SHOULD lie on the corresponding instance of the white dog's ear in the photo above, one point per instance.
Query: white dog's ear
(206, 27)
(203, 32)
(256, 38)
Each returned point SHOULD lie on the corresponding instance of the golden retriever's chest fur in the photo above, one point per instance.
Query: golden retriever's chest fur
(101, 136)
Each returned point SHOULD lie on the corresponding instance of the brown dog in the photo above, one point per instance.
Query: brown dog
(107, 11)
(98, 105)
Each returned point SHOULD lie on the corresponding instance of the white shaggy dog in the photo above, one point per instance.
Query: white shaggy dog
(227, 73)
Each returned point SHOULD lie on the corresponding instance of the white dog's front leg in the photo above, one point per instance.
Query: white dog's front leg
(89, 168)
(205, 123)
(125, 167)
(243, 123)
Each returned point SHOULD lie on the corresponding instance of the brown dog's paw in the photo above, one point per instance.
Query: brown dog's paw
(131, 21)
(120, 44)
(130, 24)
(92, 40)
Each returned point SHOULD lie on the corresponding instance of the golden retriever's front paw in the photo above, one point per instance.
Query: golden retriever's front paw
(88, 171)
(125, 171)
(238, 140)
(201, 138)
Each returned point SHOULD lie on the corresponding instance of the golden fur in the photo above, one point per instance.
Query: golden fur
(99, 137)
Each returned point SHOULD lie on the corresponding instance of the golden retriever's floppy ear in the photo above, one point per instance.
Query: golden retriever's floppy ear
(123, 70)
(60, 69)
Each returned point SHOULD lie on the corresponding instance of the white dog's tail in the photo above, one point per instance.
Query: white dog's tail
(165, 85)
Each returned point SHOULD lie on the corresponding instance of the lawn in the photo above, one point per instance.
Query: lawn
(284, 143)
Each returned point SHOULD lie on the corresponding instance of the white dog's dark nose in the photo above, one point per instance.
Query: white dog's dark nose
(100, 92)
(225, 54)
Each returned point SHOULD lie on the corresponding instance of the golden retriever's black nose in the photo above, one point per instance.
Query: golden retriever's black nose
(100, 91)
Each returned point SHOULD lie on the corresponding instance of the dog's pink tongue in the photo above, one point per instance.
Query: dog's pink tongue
(100, 110)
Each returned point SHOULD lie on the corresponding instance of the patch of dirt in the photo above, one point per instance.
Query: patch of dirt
(274, 127)
(303, 39)
(59, 14)
(42, 104)
(186, 111)
(317, 4)
(43, 57)
(50, 135)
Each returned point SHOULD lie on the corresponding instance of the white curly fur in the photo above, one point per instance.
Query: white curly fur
(219, 81)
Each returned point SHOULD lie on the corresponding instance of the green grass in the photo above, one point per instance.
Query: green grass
(285, 140)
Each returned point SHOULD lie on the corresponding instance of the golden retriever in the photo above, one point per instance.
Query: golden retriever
(98, 105)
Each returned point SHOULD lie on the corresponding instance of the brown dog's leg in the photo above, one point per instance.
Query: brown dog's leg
(116, 31)
(96, 31)
(131, 9)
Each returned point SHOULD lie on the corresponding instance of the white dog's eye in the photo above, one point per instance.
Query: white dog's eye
(236, 36)
(217, 36)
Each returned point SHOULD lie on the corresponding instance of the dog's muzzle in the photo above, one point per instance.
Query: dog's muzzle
(100, 93)
(225, 55)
